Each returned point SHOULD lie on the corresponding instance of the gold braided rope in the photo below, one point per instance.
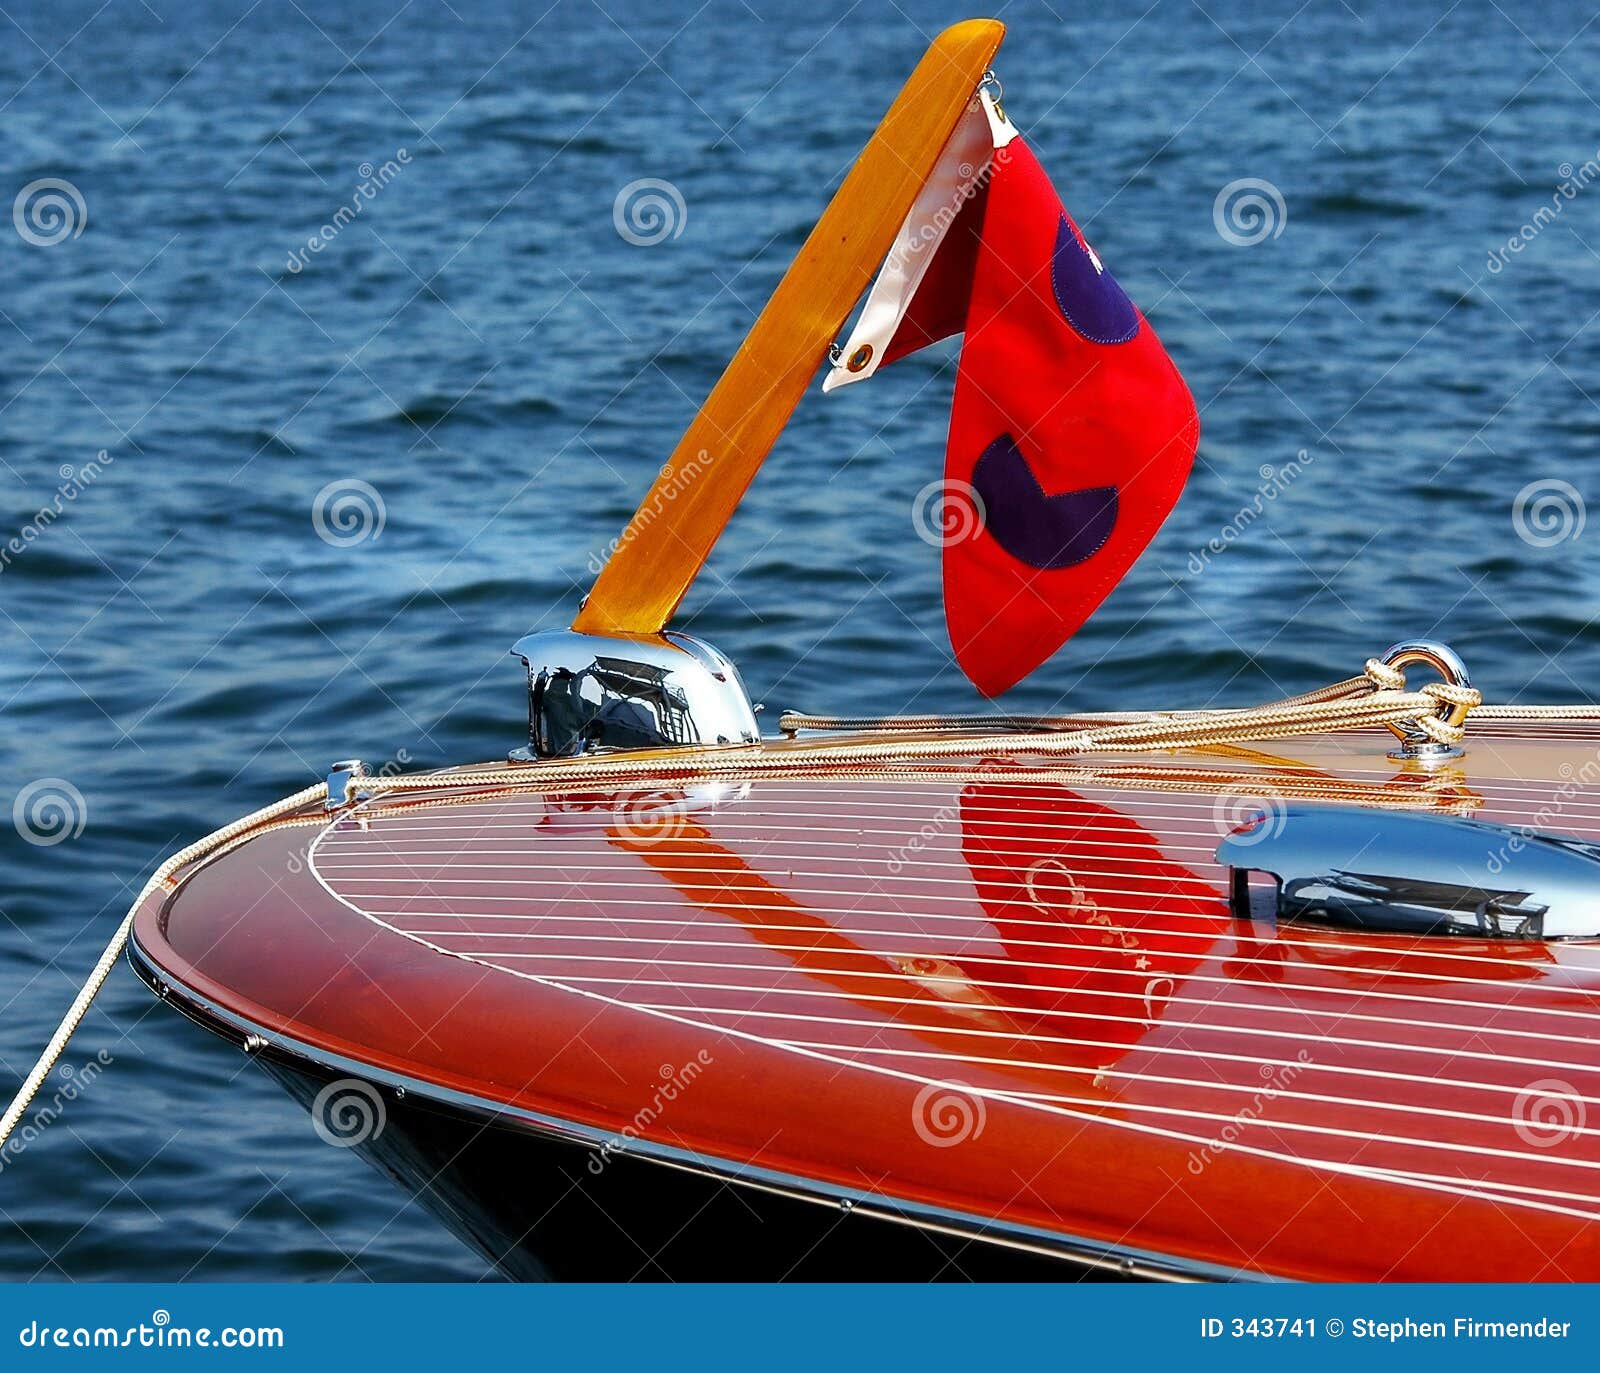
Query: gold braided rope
(1437, 710)
(1420, 709)
(1515, 712)
(1377, 697)
(1377, 679)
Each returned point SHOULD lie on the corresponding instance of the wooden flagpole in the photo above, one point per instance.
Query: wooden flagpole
(673, 530)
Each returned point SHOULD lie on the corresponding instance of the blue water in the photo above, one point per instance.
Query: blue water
(482, 348)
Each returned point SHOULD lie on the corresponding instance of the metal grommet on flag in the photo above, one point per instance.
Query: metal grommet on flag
(990, 86)
(949, 202)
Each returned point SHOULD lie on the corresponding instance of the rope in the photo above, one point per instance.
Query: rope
(1377, 679)
(1377, 697)
(1513, 712)
(1140, 735)
(102, 970)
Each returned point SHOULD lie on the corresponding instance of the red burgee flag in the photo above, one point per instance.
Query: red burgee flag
(1071, 433)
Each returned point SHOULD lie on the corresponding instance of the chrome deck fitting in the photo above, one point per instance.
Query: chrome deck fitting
(1415, 746)
(342, 777)
(1405, 872)
(588, 692)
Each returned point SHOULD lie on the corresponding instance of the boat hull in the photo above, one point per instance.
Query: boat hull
(548, 1201)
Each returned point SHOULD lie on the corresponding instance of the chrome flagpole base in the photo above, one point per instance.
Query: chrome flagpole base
(592, 692)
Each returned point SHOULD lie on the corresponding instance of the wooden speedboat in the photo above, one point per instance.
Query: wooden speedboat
(1304, 990)
(921, 1021)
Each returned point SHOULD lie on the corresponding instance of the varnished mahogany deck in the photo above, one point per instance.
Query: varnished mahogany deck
(1011, 997)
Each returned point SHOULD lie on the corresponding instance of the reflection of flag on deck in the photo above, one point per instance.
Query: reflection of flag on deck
(1103, 929)
(1071, 432)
